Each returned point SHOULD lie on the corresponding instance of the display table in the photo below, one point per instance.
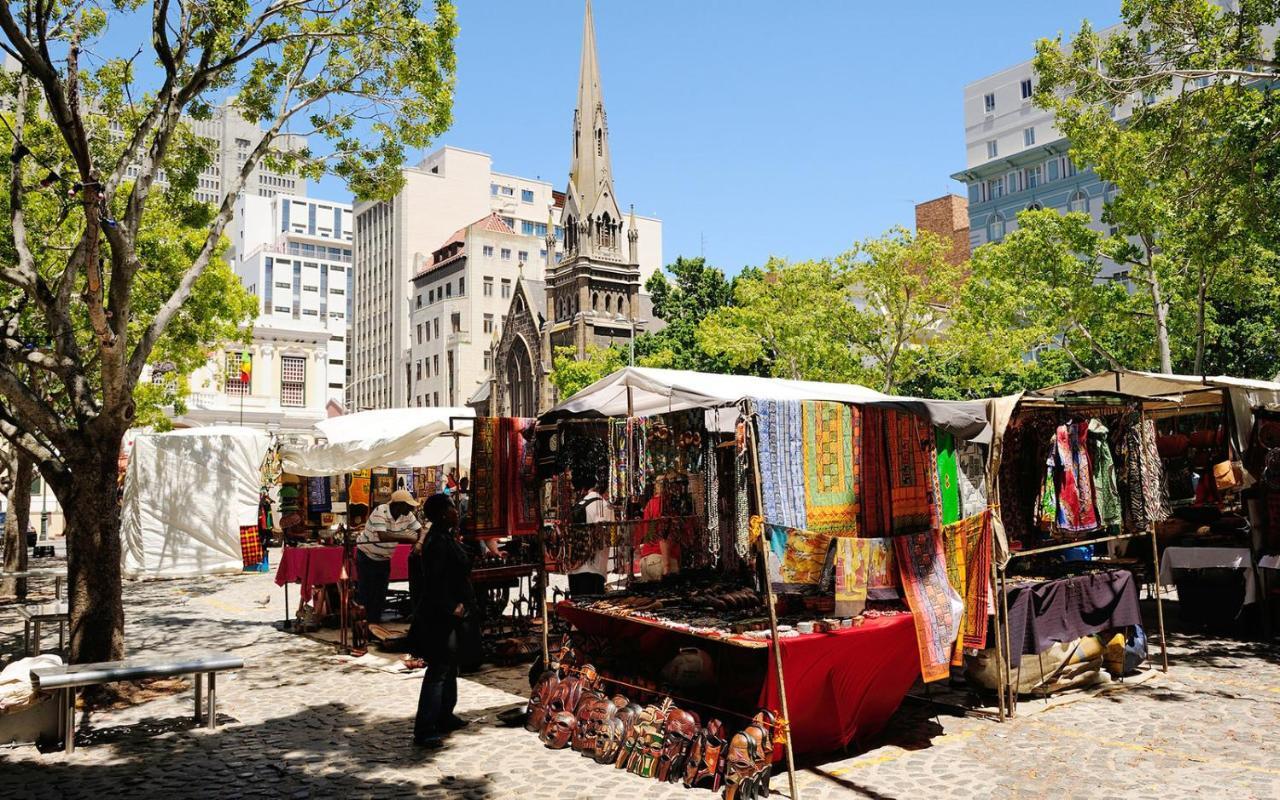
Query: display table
(1063, 610)
(842, 686)
(1179, 558)
(316, 566)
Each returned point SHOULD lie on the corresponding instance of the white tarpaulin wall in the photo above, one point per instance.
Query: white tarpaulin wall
(391, 437)
(186, 494)
(657, 391)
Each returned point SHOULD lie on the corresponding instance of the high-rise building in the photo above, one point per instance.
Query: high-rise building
(294, 254)
(395, 247)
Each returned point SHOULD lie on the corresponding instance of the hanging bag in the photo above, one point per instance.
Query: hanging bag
(1228, 475)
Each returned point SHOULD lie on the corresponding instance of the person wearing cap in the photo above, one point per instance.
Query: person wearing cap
(390, 524)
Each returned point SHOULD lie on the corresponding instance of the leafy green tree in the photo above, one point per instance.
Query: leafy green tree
(90, 296)
(569, 374)
(696, 290)
(1194, 153)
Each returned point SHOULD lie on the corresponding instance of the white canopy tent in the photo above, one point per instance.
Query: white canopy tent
(186, 495)
(657, 391)
(391, 437)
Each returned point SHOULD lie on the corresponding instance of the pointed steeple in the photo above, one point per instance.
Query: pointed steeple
(591, 205)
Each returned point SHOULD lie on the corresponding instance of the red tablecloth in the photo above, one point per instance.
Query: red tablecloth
(841, 687)
(314, 566)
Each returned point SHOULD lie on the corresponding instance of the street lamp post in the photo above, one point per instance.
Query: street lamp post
(373, 377)
(631, 325)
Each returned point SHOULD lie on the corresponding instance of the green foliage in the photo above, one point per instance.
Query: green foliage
(696, 290)
(1196, 162)
(569, 374)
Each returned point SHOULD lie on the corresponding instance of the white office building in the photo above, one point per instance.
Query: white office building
(450, 192)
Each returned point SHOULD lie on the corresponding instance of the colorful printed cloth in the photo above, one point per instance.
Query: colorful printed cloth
(971, 471)
(251, 550)
(912, 506)
(876, 520)
(486, 477)
(1076, 505)
(1104, 476)
(832, 433)
(852, 575)
(935, 606)
(1155, 491)
(795, 557)
(780, 427)
(521, 469)
(977, 559)
(504, 477)
(318, 499)
(358, 492)
(954, 546)
(883, 581)
(948, 477)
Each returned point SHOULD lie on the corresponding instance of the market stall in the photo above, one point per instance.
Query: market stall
(802, 542)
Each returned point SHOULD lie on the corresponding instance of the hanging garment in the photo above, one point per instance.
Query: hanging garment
(935, 606)
(948, 477)
(1154, 490)
(913, 506)
(358, 492)
(875, 521)
(883, 580)
(795, 557)
(486, 477)
(318, 497)
(977, 559)
(852, 575)
(1104, 476)
(954, 547)
(1077, 511)
(832, 434)
(779, 428)
(971, 471)
(521, 472)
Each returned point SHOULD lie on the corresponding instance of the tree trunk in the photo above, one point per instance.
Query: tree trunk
(1201, 298)
(15, 524)
(92, 514)
(1160, 309)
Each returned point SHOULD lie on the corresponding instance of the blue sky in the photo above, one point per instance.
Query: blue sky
(760, 128)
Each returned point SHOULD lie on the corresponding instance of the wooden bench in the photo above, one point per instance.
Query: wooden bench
(67, 679)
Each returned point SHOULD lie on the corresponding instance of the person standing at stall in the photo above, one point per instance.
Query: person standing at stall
(447, 601)
(390, 524)
(589, 576)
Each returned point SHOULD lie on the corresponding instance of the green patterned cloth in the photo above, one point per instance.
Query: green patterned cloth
(948, 477)
(1104, 477)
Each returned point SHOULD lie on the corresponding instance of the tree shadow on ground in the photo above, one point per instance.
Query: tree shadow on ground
(323, 751)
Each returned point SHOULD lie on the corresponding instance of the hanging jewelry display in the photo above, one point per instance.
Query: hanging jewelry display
(741, 542)
(711, 496)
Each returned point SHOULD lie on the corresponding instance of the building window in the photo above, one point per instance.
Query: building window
(526, 227)
(418, 371)
(233, 374)
(506, 254)
(488, 287)
(995, 227)
(506, 288)
(488, 323)
(1026, 89)
(542, 254)
(419, 333)
(992, 149)
(995, 188)
(1028, 136)
(510, 222)
(448, 290)
(462, 287)
(526, 195)
(523, 256)
(435, 365)
(989, 102)
(436, 324)
(488, 360)
(506, 191)
(293, 380)
(488, 250)
(1032, 176)
(1079, 202)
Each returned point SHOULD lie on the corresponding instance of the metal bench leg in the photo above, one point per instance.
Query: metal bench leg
(26, 637)
(199, 676)
(62, 642)
(37, 627)
(212, 721)
(69, 720)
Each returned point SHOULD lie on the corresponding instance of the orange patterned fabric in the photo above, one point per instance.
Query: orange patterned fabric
(832, 432)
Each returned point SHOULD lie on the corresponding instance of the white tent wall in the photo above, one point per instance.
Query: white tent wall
(186, 495)
(393, 437)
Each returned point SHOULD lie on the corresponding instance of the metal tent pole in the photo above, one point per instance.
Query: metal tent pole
(1000, 653)
(1155, 565)
(773, 619)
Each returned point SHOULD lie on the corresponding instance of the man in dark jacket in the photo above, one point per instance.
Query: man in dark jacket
(447, 599)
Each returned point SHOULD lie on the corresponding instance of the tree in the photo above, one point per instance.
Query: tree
(1197, 159)
(17, 488)
(569, 374)
(696, 290)
(903, 285)
(368, 78)
(788, 320)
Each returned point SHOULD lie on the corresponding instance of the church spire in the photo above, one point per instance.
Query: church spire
(591, 206)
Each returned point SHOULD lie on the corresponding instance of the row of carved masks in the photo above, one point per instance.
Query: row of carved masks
(643, 748)
(748, 759)
(557, 711)
(704, 766)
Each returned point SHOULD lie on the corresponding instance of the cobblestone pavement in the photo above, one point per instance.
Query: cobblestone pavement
(300, 722)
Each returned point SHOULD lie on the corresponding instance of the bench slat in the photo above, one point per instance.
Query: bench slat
(131, 669)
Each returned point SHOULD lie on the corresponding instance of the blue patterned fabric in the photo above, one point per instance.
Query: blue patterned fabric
(781, 467)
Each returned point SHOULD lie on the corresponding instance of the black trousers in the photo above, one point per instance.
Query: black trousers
(373, 576)
(439, 692)
(585, 583)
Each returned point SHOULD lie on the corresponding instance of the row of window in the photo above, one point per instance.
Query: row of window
(989, 99)
(501, 190)
(293, 377)
(488, 287)
(1028, 139)
(1018, 180)
(998, 226)
(522, 256)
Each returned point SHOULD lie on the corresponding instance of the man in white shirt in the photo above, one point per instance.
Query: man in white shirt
(389, 524)
(589, 577)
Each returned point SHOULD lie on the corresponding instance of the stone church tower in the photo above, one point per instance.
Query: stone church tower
(592, 293)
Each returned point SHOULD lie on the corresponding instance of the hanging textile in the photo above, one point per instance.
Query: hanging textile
(1077, 510)
(251, 551)
(912, 462)
(935, 606)
(954, 544)
(1154, 489)
(971, 472)
(620, 466)
(779, 427)
(977, 560)
(711, 500)
(852, 575)
(876, 520)
(486, 480)
(948, 477)
(1104, 476)
(796, 557)
(741, 503)
(832, 436)
(521, 470)
(883, 580)
(318, 498)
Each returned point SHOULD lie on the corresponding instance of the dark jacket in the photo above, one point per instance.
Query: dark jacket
(446, 580)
